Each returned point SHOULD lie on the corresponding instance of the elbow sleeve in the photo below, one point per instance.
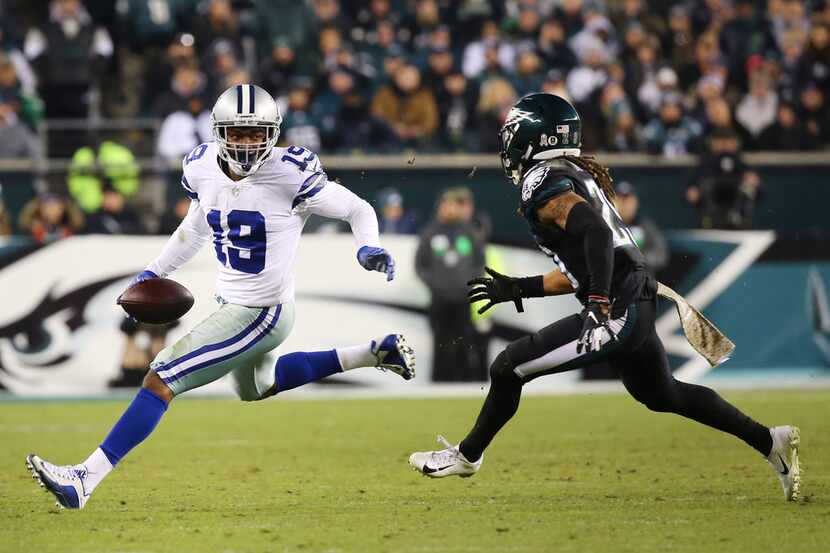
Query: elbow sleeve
(584, 222)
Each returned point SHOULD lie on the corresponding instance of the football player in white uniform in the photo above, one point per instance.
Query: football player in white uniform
(252, 199)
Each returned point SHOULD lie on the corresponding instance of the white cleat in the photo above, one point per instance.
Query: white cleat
(394, 354)
(446, 462)
(65, 482)
(784, 459)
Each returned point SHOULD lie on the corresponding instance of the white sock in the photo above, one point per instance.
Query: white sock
(353, 357)
(97, 468)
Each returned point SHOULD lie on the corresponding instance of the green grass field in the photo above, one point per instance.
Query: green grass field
(577, 473)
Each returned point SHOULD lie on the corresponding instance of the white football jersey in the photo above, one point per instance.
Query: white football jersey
(255, 223)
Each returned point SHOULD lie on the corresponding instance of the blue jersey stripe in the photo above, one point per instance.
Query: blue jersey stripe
(300, 198)
(250, 344)
(188, 189)
(212, 347)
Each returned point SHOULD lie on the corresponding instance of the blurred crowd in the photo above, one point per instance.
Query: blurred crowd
(381, 75)
(713, 77)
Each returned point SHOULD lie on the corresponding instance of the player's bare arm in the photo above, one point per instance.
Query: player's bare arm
(557, 209)
(555, 283)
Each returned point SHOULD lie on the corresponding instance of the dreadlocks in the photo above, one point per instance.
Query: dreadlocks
(600, 173)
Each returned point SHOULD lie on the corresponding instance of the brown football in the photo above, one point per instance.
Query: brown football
(156, 301)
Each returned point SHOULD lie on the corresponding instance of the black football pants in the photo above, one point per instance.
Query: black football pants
(639, 358)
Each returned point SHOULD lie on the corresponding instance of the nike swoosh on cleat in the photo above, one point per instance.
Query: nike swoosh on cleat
(428, 470)
(786, 470)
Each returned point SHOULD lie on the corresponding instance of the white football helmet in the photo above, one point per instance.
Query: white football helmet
(245, 105)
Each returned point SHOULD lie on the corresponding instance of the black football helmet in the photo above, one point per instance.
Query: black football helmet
(540, 126)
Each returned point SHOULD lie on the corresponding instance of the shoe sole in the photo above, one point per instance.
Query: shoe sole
(408, 355)
(795, 468)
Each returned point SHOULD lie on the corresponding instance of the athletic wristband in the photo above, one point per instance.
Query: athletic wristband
(532, 287)
(593, 298)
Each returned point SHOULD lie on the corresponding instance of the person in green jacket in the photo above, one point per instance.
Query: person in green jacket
(113, 166)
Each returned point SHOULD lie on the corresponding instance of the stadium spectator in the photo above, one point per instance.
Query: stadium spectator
(300, 125)
(188, 85)
(281, 66)
(815, 63)
(554, 83)
(144, 31)
(9, 47)
(637, 12)
(440, 63)
(188, 122)
(786, 133)
(757, 110)
(528, 77)
(49, 217)
(723, 188)
(496, 97)
(680, 50)
(552, 47)
(525, 27)
(789, 66)
(707, 61)
(449, 254)
(392, 217)
(17, 141)
(620, 125)
(290, 21)
(570, 13)
(815, 115)
(217, 22)
(114, 217)
(69, 53)
(647, 234)
(15, 95)
(380, 43)
(329, 13)
(359, 130)
(488, 54)
(407, 107)
(457, 98)
(222, 60)
(719, 116)
(672, 133)
(113, 166)
(746, 34)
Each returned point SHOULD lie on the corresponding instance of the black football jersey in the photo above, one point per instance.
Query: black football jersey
(554, 177)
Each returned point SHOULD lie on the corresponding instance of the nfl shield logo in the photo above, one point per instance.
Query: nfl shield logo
(562, 129)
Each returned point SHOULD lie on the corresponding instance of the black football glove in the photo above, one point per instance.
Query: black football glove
(496, 288)
(595, 329)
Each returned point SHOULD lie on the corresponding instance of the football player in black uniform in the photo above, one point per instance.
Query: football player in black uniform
(567, 201)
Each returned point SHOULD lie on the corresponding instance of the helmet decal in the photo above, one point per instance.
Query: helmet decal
(516, 115)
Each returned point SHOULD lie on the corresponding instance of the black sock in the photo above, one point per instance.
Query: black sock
(499, 407)
(706, 406)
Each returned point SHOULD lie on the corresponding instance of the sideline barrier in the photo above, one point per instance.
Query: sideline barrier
(59, 327)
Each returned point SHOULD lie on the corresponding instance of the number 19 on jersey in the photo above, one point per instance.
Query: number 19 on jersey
(239, 240)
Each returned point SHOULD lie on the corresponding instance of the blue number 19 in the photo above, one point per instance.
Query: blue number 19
(246, 233)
